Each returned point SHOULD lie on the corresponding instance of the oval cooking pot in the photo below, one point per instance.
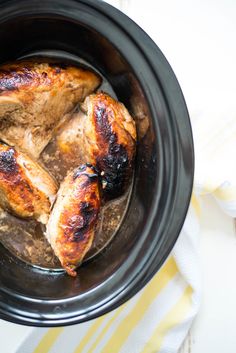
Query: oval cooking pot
(144, 81)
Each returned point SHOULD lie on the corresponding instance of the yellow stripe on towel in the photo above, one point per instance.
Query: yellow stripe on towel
(227, 193)
(174, 317)
(89, 334)
(150, 292)
(106, 328)
(48, 340)
(195, 204)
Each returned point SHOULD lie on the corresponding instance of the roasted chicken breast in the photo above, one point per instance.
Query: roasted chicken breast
(104, 136)
(34, 98)
(26, 189)
(71, 226)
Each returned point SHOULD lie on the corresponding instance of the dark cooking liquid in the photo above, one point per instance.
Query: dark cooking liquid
(25, 238)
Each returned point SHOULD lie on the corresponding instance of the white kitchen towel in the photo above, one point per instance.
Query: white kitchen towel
(198, 39)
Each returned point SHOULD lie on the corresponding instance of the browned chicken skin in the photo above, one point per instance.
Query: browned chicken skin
(71, 225)
(26, 189)
(34, 98)
(105, 137)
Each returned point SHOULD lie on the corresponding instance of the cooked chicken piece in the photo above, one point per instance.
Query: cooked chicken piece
(71, 226)
(70, 140)
(105, 137)
(26, 189)
(34, 98)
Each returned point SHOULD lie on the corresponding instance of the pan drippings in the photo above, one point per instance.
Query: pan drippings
(25, 238)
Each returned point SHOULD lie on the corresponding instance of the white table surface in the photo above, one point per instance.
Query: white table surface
(194, 35)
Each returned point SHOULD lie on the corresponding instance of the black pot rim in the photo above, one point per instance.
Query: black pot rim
(180, 182)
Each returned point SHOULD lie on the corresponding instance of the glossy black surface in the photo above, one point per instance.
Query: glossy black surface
(141, 77)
